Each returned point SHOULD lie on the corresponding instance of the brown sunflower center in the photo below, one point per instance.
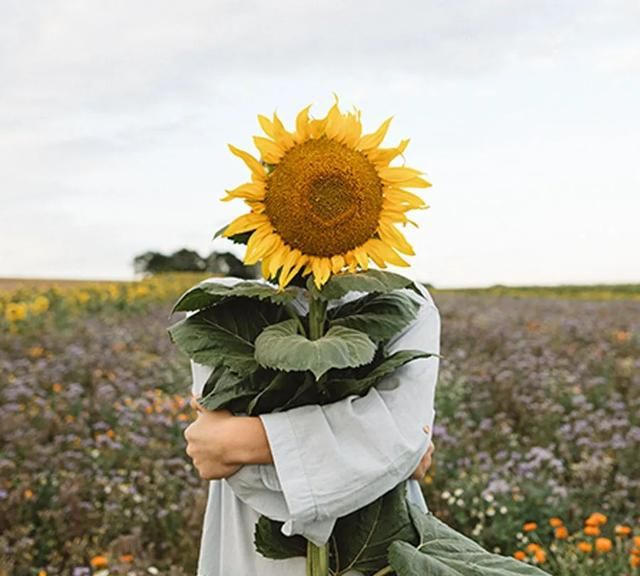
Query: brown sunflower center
(324, 198)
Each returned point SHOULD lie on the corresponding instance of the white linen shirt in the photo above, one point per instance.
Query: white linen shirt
(329, 460)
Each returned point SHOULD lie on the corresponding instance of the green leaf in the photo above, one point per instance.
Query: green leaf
(361, 539)
(224, 389)
(380, 316)
(224, 335)
(274, 396)
(340, 387)
(210, 292)
(282, 347)
(378, 281)
(442, 551)
(272, 543)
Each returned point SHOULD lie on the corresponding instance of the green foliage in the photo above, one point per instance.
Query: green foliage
(210, 292)
(371, 281)
(360, 382)
(361, 539)
(441, 551)
(224, 335)
(380, 316)
(184, 260)
(282, 347)
(272, 543)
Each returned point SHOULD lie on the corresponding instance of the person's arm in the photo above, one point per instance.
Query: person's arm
(334, 459)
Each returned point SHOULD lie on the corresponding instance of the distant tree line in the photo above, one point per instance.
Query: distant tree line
(219, 263)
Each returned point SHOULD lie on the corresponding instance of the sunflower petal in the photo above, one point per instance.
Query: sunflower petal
(374, 139)
(397, 195)
(398, 174)
(353, 130)
(264, 266)
(249, 191)
(335, 128)
(302, 125)
(276, 258)
(394, 238)
(280, 134)
(261, 243)
(337, 263)
(245, 223)
(417, 183)
(380, 251)
(269, 150)
(382, 157)
(361, 257)
(266, 125)
(256, 168)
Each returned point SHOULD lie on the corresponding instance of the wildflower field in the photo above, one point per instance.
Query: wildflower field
(537, 435)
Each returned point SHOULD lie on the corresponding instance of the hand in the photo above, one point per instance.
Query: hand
(208, 439)
(424, 465)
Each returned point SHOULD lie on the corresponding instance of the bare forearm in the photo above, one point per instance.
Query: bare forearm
(246, 441)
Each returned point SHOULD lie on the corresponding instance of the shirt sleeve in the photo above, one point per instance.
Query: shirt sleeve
(334, 459)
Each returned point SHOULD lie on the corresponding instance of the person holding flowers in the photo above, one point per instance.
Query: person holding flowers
(315, 387)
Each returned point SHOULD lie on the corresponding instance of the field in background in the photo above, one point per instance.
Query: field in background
(538, 423)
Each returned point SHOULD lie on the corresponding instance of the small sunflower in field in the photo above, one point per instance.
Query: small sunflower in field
(324, 198)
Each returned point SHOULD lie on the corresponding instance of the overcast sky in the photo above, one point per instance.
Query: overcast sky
(525, 115)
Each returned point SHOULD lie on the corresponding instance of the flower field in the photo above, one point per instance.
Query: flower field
(537, 435)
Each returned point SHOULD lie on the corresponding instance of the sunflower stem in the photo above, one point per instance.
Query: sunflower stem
(317, 317)
(317, 556)
(317, 560)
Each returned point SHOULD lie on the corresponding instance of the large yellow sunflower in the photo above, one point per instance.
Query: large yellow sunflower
(324, 198)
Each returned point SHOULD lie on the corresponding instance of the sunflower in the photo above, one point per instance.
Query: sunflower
(324, 198)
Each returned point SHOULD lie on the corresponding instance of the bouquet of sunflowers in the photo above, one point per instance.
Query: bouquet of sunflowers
(324, 200)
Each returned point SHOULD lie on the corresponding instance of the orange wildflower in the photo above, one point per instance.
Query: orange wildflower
(604, 545)
(533, 548)
(634, 561)
(42, 573)
(636, 541)
(530, 527)
(99, 561)
(28, 494)
(555, 522)
(561, 533)
(126, 558)
(591, 530)
(622, 530)
(56, 387)
(585, 547)
(519, 555)
(596, 519)
(540, 556)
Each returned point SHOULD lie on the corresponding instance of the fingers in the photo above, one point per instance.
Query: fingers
(196, 405)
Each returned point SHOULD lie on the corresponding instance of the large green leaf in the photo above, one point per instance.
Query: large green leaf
(361, 539)
(278, 391)
(441, 551)
(224, 389)
(225, 334)
(210, 292)
(380, 316)
(272, 543)
(361, 381)
(370, 281)
(282, 347)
